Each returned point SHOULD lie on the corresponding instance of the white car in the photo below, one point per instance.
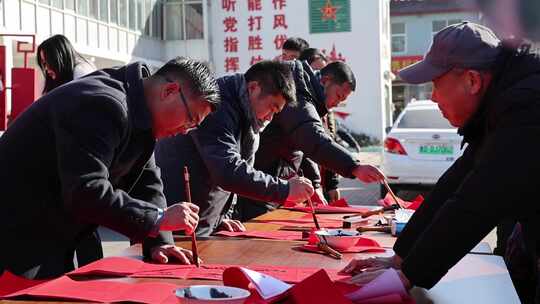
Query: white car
(419, 147)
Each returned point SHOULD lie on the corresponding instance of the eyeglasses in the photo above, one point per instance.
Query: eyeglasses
(193, 124)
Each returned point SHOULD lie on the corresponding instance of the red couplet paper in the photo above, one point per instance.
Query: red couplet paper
(120, 266)
(100, 291)
(117, 266)
(339, 206)
(364, 244)
(273, 235)
(413, 205)
(10, 283)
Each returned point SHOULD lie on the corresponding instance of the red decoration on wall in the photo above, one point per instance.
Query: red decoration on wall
(254, 23)
(228, 5)
(279, 4)
(254, 5)
(230, 24)
(231, 44)
(232, 64)
(279, 41)
(329, 11)
(255, 59)
(255, 42)
(334, 55)
(279, 21)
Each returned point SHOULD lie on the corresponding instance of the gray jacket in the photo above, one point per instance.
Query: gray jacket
(219, 155)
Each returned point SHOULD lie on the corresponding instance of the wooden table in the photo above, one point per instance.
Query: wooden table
(476, 277)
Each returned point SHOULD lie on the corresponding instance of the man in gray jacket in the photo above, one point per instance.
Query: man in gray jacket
(220, 153)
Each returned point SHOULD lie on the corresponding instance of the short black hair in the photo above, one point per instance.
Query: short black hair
(340, 72)
(196, 74)
(311, 54)
(274, 77)
(295, 44)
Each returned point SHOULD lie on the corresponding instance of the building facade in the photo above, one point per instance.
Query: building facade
(413, 24)
(229, 34)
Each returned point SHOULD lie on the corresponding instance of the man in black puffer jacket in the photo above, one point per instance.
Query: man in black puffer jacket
(297, 132)
(492, 93)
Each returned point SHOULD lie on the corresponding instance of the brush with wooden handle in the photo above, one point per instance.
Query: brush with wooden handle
(194, 249)
(374, 228)
(322, 245)
(394, 197)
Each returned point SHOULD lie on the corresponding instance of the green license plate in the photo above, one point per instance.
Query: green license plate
(437, 150)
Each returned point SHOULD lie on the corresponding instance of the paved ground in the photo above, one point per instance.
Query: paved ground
(355, 192)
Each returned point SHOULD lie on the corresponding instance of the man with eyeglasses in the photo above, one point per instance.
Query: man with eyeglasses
(220, 152)
(297, 133)
(82, 157)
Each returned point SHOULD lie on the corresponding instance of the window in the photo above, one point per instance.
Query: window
(82, 7)
(184, 20)
(113, 5)
(174, 26)
(94, 8)
(58, 3)
(140, 15)
(438, 25)
(157, 24)
(44, 1)
(424, 119)
(104, 10)
(132, 15)
(399, 43)
(194, 21)
(70, 4)
(148, 13)
(123, 12)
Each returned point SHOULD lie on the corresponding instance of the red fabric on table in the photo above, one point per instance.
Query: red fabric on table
(363, 245)
(318, 288)
(329, 209)
(10, 283)
(315, 288)
(100, 291)
(273, 235)
(116, 266)
(339, 206)
(413, 205)
(121, 266)
(305, 222)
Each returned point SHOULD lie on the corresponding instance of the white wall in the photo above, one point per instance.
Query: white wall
(365, 50)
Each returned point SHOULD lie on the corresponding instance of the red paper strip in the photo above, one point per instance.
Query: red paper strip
(354, 249)
(317, 288)
(119, 266)
(273, 235)
(100, 291)
(116, 266)
(301, 222)
(10, 283)
(329, 209)
(389, 201)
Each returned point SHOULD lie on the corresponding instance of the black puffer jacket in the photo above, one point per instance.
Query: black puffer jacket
(494, 179)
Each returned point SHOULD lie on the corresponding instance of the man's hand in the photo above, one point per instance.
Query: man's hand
(366, 277)
(300, 189)
(368, 174)
(181, 216)
(164, 253)
(334, 195)
(232, 226)
(372, 264)
(318, 197)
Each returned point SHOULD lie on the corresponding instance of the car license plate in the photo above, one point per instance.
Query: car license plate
(436, 149)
